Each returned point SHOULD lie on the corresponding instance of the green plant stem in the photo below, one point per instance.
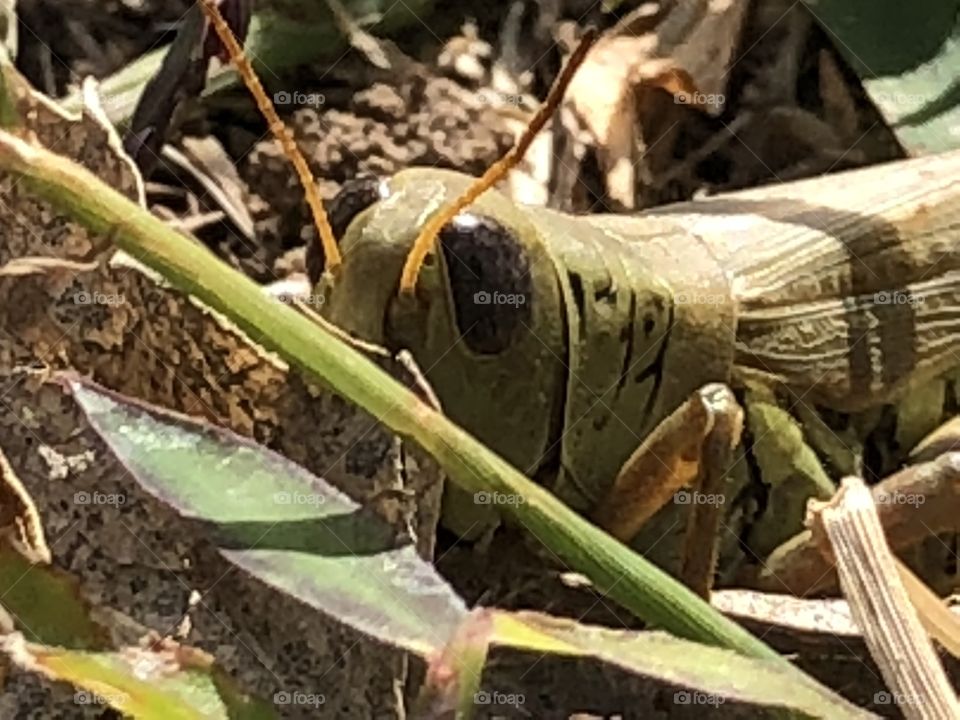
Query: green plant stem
(613, 568)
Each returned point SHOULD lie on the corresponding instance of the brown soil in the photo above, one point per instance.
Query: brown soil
(380, 130)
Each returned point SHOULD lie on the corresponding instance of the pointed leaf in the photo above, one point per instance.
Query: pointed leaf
(454, 675)
(280, 523)
(144, 684)
(716, 673)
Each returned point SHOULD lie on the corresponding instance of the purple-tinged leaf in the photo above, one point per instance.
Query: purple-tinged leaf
(276, 521)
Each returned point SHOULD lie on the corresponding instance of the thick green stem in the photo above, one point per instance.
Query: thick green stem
(625, 576)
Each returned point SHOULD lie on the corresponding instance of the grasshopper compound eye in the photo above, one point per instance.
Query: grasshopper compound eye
(489, 279)
(355, 196)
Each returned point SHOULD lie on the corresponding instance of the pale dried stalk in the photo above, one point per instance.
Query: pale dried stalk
(936, 616)
(880, 604)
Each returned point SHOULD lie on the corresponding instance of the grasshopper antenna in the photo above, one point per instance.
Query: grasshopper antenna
(330, 249)
(428, 235)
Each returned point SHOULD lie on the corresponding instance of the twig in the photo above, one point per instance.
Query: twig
(880, 604)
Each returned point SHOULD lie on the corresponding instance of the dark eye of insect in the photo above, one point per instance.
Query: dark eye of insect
(354, 197)
(490, 281)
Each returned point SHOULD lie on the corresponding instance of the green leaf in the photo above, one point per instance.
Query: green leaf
(9, 118)
(454, 675)
(713, 674)
(46, 604)
(8, 29)
(281, 524)
(923, 106)
(144, 684)
(907, 55)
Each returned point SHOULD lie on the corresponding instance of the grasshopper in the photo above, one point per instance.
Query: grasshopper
(747, 345)
(567, 343)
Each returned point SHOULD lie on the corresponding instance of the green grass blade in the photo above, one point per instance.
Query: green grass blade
(624, 576)
(140, 683)
(710, 675)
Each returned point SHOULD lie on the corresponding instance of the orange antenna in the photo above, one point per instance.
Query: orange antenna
(428, 235)
(330, 249)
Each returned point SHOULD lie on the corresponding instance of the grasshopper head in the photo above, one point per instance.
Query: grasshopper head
(485, 323)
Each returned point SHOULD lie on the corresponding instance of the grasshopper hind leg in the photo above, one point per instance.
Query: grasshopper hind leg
(693, 447)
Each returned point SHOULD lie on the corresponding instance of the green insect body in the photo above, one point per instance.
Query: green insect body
(829, 306)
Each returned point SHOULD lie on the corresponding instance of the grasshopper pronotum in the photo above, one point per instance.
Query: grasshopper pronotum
(738, 345)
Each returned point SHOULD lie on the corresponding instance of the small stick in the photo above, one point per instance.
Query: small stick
(279, 130)
(847, 529)
(496, 172)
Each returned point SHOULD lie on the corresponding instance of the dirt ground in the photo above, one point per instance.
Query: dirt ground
(376, 121)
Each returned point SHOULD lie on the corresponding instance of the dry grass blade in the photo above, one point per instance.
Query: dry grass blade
(496, 172)
(849, 527)
(279, 130)
(937, 618)
(20, 522)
